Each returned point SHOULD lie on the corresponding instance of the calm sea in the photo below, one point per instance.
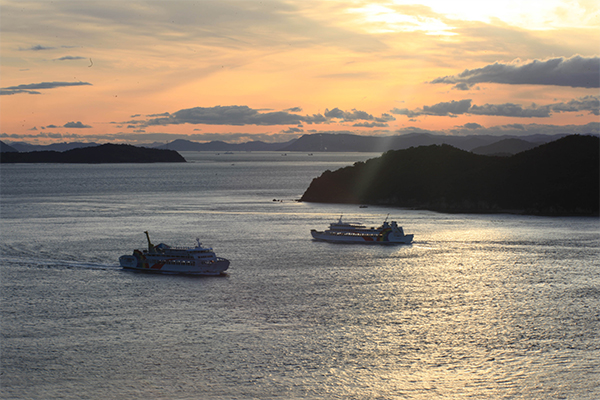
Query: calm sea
(479, 307)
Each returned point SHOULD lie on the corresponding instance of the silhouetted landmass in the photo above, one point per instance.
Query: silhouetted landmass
(317, 142)
(346, 142)
(4, 148)
(379, 144)
(106, 153)
(505, 147)
(558, 178)
(26, 147)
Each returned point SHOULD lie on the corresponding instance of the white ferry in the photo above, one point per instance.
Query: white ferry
(165, 259)
(344, 232)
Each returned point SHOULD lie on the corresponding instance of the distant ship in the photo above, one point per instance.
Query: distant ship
(165, 259)
(344, 232)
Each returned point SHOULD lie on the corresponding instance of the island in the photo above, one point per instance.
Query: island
(106, 153)
(557, 178)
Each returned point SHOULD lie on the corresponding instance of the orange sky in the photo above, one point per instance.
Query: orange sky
(143, 72)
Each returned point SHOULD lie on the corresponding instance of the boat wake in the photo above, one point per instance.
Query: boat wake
(39, 263)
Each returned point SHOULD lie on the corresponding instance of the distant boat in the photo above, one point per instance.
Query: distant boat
(165, 259)
(344, 232)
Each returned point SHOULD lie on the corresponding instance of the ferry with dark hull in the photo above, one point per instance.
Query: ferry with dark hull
(344, 232)
(165, 259)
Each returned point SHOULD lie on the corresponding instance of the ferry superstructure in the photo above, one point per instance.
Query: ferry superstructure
(166, 259)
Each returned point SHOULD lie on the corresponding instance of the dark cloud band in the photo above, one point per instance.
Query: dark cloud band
(576, 71)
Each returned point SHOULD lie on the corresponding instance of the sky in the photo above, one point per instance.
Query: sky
(155, 71)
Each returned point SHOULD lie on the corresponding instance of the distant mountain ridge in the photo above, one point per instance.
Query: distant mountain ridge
(337, 142)
(349, 142)
(217, 145)
(505, 147)
(26, 147)
(5, 148)
(557, 178)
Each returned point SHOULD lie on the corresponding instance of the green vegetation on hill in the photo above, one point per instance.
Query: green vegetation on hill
(106, 153)
(558, 178)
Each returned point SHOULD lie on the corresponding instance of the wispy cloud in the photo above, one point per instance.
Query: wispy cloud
(70, 58)
(37, 47)
(32, 88)
(576, 71)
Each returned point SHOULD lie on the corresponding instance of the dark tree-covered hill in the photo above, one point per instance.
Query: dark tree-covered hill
(106, 153)
(558, 178)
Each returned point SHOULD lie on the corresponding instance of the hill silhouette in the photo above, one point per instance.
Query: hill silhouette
(505, 147)
(106, 153)
(558, 178)
(5, 148)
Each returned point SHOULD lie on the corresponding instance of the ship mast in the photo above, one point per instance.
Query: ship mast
(150, 245)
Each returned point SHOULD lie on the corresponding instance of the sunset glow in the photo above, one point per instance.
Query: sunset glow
(143, 72)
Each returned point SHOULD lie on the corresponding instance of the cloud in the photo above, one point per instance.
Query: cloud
(293, 130)
(77, 124)
(509, 110)
(232, 115)
(472, 125)
(439, 109)
(37, 47)
(371, 124)
(8, 92)
(454, 108)
(68, 58)
(520, 127)
(357, 115)
(462, 86)
(576, 71)
(587, 103)
(385, 117)
(348, 116)
(31, 88)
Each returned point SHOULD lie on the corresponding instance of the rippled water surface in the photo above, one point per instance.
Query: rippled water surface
(480, 306)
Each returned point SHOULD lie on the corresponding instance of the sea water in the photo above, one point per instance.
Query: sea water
(479, 306)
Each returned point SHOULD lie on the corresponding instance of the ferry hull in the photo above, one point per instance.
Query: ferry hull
(217, 267)
(361, 239)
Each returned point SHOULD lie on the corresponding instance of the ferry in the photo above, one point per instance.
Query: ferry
(165, 259)
(346, 232)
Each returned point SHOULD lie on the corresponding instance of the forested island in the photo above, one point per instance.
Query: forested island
(106, 153)
(557, 178)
